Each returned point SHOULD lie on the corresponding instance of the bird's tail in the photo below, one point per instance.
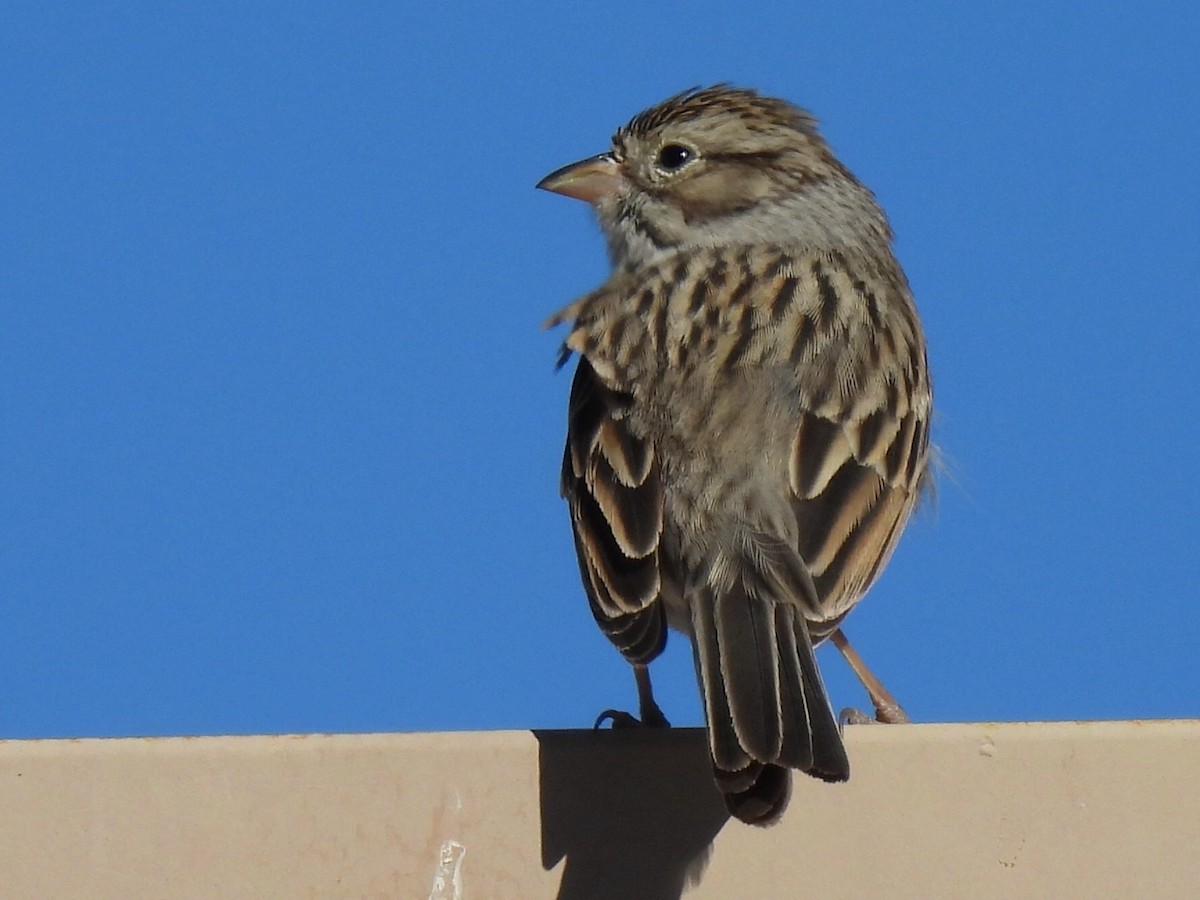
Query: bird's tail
(766, 707)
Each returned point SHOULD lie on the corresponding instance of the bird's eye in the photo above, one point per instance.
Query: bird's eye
(673, 157)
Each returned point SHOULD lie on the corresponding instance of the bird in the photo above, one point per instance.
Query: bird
(748, 423)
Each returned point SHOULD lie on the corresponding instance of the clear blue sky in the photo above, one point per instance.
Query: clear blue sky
(279, 430)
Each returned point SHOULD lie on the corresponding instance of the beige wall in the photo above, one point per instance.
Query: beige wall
(1105, 809)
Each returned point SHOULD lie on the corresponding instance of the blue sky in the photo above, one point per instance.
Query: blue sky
(279, 430)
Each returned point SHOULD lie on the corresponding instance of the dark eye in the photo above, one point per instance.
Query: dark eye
(673, 157)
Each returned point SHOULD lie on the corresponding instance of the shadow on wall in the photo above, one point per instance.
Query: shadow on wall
(634, 811)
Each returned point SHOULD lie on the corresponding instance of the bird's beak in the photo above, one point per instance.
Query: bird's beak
(590, 180)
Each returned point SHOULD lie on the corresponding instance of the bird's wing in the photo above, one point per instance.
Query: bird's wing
(859, 457)
(610, 478)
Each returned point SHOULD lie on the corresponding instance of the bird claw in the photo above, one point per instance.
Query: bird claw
(852, 716)
(884, 715)
(891, 714)
(621, 719)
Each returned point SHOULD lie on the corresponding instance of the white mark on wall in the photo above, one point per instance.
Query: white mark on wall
(447, 881)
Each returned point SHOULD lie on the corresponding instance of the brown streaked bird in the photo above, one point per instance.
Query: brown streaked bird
(748, 429)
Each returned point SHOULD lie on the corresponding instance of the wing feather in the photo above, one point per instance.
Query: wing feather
(611, 481)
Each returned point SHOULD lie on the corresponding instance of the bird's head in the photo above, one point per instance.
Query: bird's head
(720, 166)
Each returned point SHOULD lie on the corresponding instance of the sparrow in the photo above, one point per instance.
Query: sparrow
(748, 425)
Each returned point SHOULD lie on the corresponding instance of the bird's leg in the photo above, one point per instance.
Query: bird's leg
(647, 708)
(887, 710)
(651, 715)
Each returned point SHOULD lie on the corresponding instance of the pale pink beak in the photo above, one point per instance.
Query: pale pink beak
(590, 180)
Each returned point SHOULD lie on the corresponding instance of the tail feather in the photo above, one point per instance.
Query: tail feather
(766, 707)
(749, 666)
(828, 754)
(797, 750)
(764, 800)
(727, 751)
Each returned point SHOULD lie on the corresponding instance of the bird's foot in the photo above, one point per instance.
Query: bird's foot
(886, 714)
(651, 715)
(651, 718)
(887, 710)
